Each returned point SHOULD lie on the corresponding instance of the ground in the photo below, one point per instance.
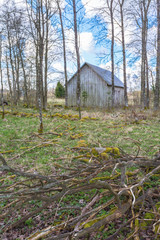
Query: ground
(24, 149)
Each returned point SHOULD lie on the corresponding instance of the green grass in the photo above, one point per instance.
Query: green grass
(17, 133)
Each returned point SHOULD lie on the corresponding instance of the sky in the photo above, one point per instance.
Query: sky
(95, 39)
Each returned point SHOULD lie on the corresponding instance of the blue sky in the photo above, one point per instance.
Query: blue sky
(96, 30)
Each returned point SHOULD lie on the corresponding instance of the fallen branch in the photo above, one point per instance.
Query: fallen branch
(91, 179)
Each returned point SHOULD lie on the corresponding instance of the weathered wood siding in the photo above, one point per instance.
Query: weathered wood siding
(119, 96)
(96, 90)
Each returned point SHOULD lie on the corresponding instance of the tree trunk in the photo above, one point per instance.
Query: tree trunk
(37, 80)
(39, 67)
(147, 84)
(46, 60)
(2, 100)
(64, 56)
(143, 100)
(41, 50)
(8, 78)
(112, 52)
(157, 85)
(124, 56)
(78, 60)
(24, 76)
(144, 6)
(17, 63)
(12, 66)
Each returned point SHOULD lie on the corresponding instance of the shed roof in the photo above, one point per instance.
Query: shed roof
(104, 74)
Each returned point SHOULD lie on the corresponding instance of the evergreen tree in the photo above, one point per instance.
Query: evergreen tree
(60, 91)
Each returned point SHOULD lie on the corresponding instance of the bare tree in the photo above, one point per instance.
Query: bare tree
(111, 11)
(147, 83)
(39, 15)
(16, 62)
(139, 13)
(2, 102)
(8, 76)
(144, 7)
(46, 54)
(121, 4)
(157, 85)
(11, 58)
(64, 54)
(12, 24)
(77, 58)
(39, 49)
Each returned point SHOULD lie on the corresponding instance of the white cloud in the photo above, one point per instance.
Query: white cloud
(18, 3)
(86, 41)
(106, 66)
(92, 7)
(58, 66)
(69, 34)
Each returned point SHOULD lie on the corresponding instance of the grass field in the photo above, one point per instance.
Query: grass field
(26, 150)
(117, 129)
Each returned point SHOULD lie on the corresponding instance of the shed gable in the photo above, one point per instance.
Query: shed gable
(95, 91)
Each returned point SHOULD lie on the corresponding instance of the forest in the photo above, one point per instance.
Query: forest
(79, 172)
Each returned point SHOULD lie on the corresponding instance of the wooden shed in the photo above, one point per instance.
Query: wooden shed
(96, 88)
